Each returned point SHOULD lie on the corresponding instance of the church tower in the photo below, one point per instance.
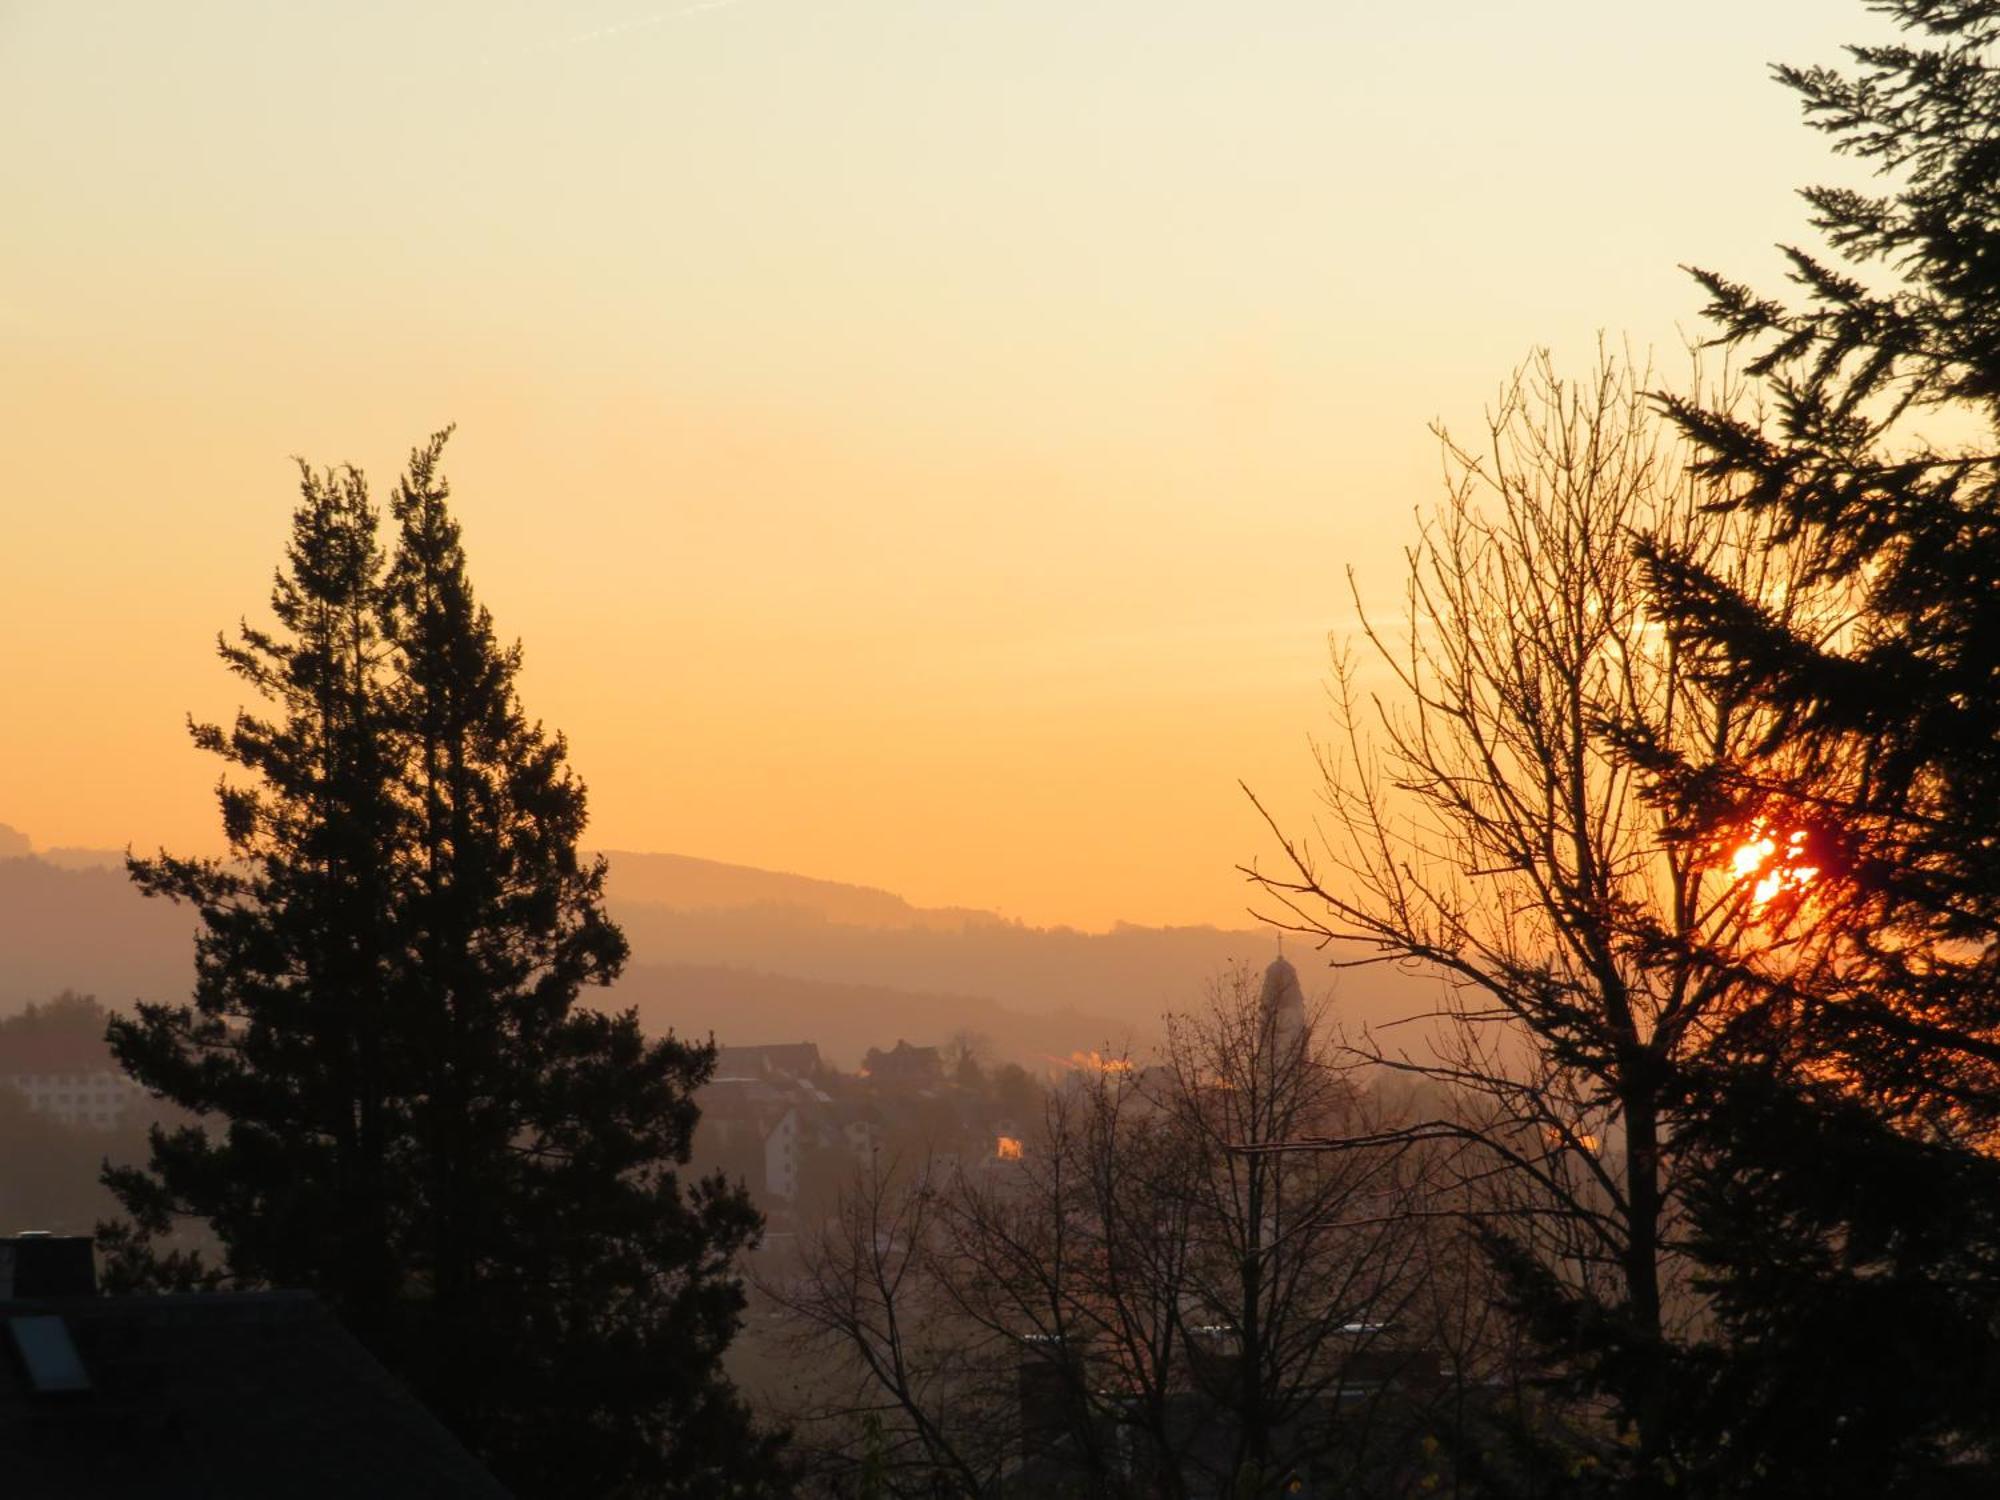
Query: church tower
(1283, 1003)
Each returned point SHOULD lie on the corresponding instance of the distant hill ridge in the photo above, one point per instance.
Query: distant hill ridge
(753, 955)
(686, 883)
(681, 881)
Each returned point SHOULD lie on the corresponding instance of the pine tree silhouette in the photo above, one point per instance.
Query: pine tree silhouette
(417, 1118)
(1847, 1215)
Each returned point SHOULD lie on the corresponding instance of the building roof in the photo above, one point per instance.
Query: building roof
(221, 1396)
(904, 1060)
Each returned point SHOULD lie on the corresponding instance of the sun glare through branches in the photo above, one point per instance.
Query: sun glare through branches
(1776, 864)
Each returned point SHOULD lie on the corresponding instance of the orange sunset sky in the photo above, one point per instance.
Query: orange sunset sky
(919, 442)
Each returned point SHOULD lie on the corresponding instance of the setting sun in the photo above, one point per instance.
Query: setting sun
(1775, 867)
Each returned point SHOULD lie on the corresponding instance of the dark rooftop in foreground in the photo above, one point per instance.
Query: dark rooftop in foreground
(217, 1395)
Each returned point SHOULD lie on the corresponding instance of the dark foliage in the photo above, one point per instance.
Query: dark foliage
(402, 1105)
(1844, 1119)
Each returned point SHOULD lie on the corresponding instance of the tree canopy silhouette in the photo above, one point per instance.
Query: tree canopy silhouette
(403, 1105)
(1847, 1214)
(1488, 818)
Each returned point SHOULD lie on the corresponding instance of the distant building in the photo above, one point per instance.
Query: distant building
(864, 1139)
(220, 1395)
(99, 1100)
(750, 1128)
(68, 1077)
(904, 1066)
(781, 1157)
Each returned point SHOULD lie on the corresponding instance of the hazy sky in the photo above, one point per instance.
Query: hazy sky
(919, 442)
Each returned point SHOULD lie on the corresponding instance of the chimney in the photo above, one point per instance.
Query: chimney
(34, 1263)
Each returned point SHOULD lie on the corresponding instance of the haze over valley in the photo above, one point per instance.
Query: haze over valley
(752, 956)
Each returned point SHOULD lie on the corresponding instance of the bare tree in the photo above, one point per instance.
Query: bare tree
(1304, 1259)
(1137, 1305)
(1492, 817)
(903, 1397)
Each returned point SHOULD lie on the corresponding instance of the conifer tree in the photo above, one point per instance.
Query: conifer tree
(1848, 1212)
(580, 1300)
(479, 1173)
(284, 1040)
